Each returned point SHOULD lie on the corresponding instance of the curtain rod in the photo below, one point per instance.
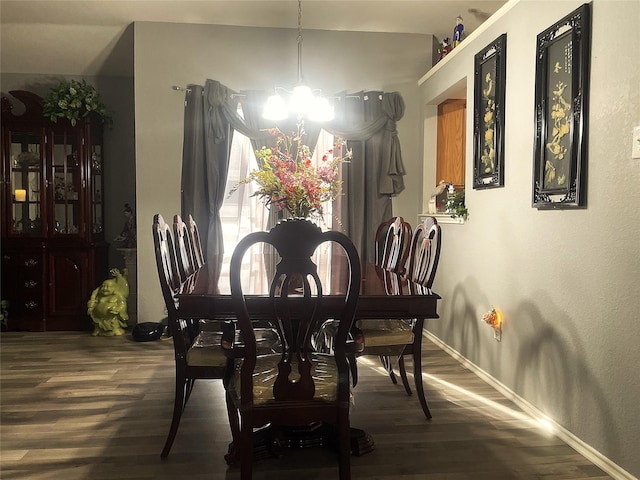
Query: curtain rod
(178, 88)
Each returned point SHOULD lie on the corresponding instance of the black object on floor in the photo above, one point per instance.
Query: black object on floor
(147, 331)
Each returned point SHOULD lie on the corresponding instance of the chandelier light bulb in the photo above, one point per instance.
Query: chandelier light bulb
(275, 109)
(301, 100)
(321, 111)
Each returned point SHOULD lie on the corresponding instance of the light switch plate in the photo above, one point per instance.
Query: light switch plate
(635, 148)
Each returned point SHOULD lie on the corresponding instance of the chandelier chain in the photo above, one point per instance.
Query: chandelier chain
(300, 76)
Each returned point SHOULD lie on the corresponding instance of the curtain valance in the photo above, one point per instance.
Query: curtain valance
(367, 119)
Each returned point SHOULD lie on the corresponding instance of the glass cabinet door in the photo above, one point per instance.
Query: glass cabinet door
(26, 183)
(96, 188)
(67, 184)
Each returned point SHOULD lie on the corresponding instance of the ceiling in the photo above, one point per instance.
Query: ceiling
(105, 21)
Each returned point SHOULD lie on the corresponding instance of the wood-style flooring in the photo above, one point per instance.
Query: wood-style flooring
(76, 407)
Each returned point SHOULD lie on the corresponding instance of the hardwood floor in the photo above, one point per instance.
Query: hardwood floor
(76, 407)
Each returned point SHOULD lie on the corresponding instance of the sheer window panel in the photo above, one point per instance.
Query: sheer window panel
(242, 213)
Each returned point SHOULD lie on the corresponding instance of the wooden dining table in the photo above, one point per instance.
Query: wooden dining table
(383, 295)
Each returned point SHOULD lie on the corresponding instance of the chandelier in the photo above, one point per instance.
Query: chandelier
(302, 101)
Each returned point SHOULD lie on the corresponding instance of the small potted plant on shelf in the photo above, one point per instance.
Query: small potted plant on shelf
(73, 100)
(455, 205)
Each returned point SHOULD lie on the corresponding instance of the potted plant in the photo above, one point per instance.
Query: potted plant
(4, 314)
(455, 205)
(73, 100)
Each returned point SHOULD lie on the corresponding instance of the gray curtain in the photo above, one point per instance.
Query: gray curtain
(210, 119)
(367, 120)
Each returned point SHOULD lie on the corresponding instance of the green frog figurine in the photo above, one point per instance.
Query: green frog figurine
(108, 305)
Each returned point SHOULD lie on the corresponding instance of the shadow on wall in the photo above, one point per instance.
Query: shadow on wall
(461, 326)
(547, 370)
(547, 359)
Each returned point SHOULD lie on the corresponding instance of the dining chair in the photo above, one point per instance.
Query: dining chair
(194, 238)
(425, 252)
(392, 245)
(198, 354)
(298, 386)
(185, 254)
(423, 265)
(392, 240)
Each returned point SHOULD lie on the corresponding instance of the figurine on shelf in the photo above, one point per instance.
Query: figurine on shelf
(458, 31)
(445, 47)
(128, 234)
(108, 305)
(439, 196)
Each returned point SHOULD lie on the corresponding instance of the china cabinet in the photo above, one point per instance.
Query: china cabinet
(53, 248)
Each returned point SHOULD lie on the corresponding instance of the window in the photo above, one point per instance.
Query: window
(242, 212)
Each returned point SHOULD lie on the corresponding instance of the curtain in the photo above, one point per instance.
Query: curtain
(210, 120)
(367, 120)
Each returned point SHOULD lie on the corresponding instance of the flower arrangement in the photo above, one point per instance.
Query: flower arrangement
(560, 114)
(288, 179)
(488, 152)
(73, 100)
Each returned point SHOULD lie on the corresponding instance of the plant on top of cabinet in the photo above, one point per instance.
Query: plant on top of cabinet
(73, 99)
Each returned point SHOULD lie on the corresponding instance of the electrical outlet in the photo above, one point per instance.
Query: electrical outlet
(635, 147)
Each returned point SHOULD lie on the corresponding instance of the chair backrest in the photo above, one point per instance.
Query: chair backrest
(425, 252)
(392, 242)
(167, 263)
(184, 251)
(194, 238)
(295, 307)
(182, 331)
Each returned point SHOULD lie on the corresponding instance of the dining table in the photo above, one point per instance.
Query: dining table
(383, 295)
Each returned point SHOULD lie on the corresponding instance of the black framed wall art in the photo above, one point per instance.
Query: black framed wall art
(488, 121)
(561, 101)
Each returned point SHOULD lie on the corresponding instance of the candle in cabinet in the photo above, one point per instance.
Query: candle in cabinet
(21, 195)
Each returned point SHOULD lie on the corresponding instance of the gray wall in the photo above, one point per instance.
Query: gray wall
(254, 58)
(568, 282)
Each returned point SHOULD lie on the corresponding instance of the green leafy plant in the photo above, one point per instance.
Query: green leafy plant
(4, 312)
(455, 205)
(73, 100)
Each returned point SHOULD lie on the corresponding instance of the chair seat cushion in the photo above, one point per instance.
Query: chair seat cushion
(324, 373)
(206, 351)
(386, 332)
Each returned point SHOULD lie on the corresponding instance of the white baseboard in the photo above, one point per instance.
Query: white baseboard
(562, 433)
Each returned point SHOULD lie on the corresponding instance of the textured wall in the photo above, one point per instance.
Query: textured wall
(568, 282)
